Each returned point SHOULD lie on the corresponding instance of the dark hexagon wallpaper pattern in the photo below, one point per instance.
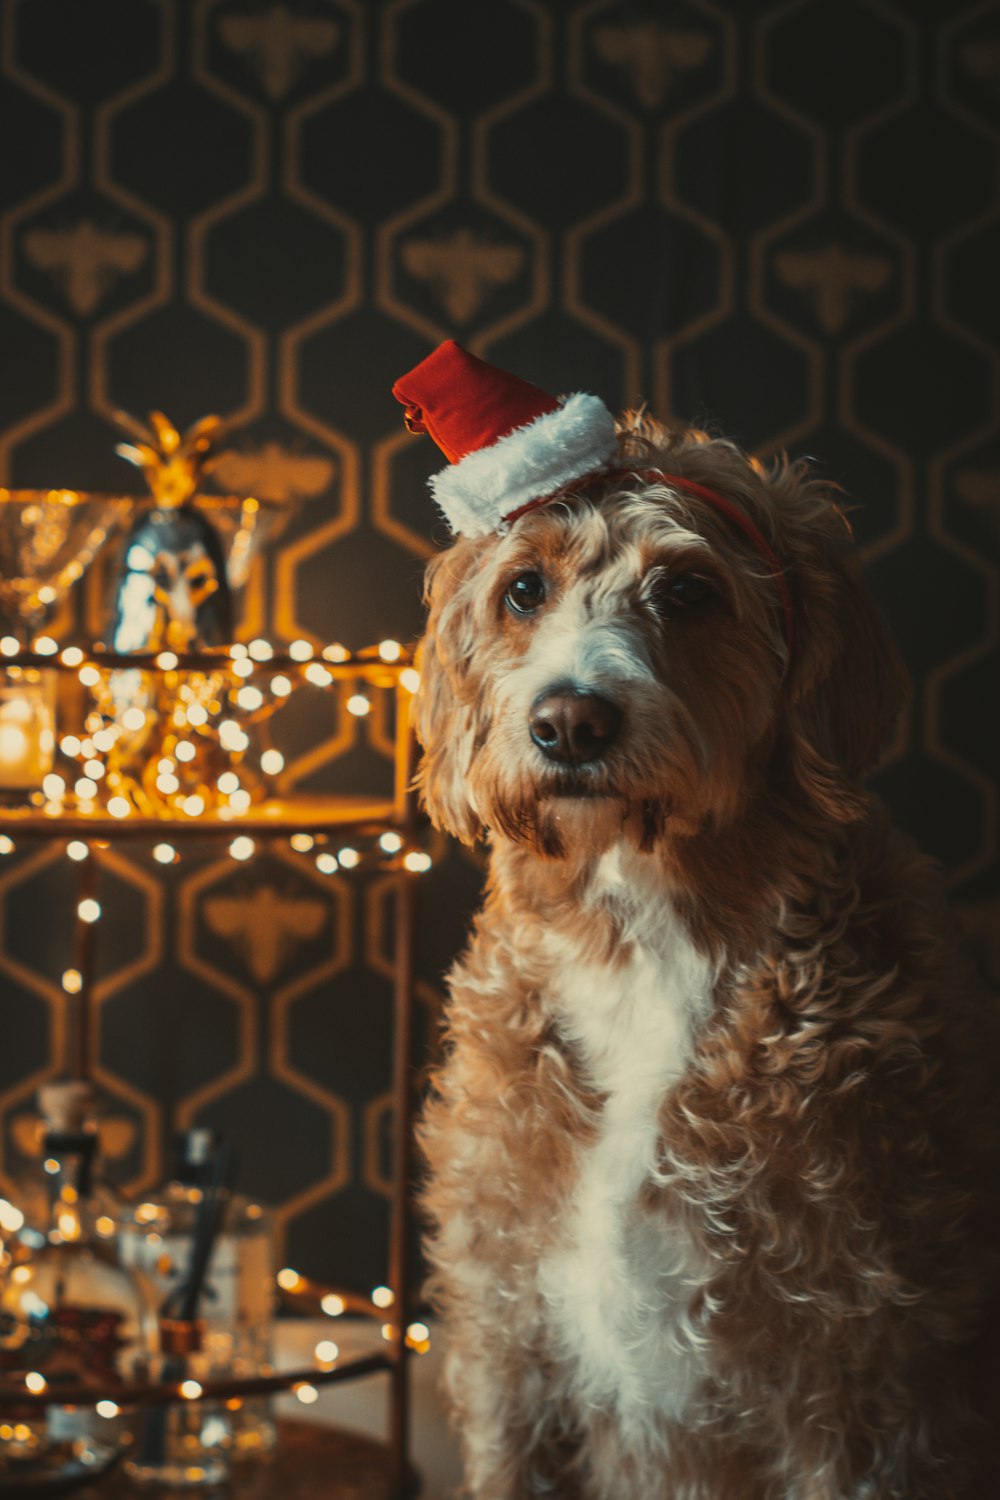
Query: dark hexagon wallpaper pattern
(780, 219)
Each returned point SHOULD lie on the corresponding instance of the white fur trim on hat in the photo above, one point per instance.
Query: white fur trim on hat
(532, 461)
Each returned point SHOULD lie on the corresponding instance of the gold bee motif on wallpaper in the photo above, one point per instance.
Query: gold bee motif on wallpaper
(265, 926)
(85, 261)
(278, 43)
(651, 55)
(116, 1134)
(833, 278)
(274, 471)
(462, 271)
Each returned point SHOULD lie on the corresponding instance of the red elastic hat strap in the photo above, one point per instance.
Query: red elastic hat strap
(701, 492)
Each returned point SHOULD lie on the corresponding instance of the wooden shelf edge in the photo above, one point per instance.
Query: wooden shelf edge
(277, 818)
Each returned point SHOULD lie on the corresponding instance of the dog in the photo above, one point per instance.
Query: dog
(712, 1145)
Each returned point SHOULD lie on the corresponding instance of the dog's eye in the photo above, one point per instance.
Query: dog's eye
(525, 594)
(686, 591)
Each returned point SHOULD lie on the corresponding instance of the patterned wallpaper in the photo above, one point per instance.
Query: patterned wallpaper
(778, 218)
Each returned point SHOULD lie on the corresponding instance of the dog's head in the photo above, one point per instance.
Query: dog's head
(620, 659)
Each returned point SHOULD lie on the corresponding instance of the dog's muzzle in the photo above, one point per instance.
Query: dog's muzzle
(573, 728)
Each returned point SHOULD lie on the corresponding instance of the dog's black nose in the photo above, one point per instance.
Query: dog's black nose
(574, 727)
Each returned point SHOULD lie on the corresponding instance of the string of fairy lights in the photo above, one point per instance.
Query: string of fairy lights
(32, 1388)
(169, 737)
(167, 745)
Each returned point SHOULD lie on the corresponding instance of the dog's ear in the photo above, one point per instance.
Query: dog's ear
(846, 682)
(445, 709)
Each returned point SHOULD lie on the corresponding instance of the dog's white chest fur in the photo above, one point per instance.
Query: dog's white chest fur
(619, 1284)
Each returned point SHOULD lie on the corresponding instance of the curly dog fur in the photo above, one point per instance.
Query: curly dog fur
(713, 1147)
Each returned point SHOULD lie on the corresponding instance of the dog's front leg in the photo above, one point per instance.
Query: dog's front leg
(514, 1444)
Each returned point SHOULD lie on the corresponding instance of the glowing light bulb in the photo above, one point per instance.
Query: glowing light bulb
(281, 685)
(333, 1305)
(165, 766)
(54, 786)
(166, 661)
(35, 1382)
(271, 762)
(10, 646)
(70, 745)
(238, 651)
(190, 1390)
(418, 1332)
(288, 1280)
(243, 668)
(89, 910)
(307, 1394)
(382, 1296)
(318, 675)
(242, 848)
(94, 769)
(11, 1218)
(336, 652)
(85, 789)
(72, 981)
(46, 646)
(410, 678)
(417, 862)
(390, 650)
(358, 705)
(107, 1409)
(231, 736)
(349, 858)
(164, 854)
(77, 849)
(390, 843)
(260, 650)
(239, 800)
(193, 805)
(119, 807)
(89, 676)
(228, 782)
(302, 842)
(133, 718)
(168, 784)
(6, 844)
(326, 863)
(184, 750)
(301, 651)
(72, 656)
(326, 1351)
(197, 715)
(104, 740)
(249, 698)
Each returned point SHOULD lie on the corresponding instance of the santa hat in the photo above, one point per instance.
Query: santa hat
(508, 442)
(511, 447)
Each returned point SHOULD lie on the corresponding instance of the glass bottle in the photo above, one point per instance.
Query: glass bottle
(184, 1444)
(237, 1304)
(68, 1105)
(69, 1315)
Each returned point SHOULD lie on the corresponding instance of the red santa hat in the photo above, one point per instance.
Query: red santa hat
(511, 446)
(507, 441)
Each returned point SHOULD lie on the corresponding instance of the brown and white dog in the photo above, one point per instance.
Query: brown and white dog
(713, 1146)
